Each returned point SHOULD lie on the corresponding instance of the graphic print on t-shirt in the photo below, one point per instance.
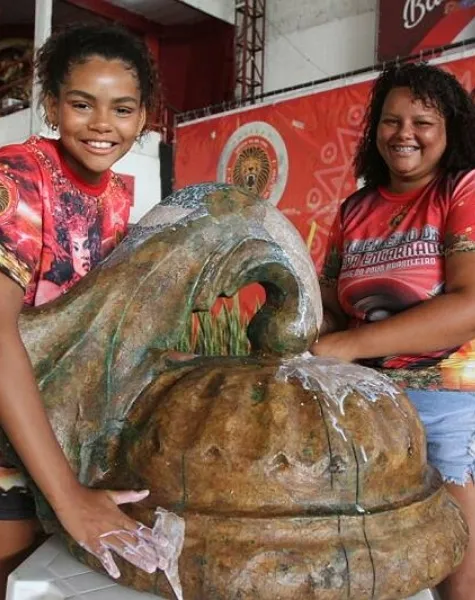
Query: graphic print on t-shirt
(76, 245)
(382, 277)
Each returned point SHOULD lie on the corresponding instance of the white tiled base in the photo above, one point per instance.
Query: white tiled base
(51, 573)
(425, 595)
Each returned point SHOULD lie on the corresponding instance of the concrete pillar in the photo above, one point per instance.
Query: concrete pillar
(43, 19)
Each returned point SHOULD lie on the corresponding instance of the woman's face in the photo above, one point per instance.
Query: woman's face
(411, 139)
(81, 254)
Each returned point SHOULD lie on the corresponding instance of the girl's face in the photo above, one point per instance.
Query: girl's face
(99, 115)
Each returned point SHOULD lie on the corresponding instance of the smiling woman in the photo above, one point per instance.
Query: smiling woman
(399, 280)
(62, 211)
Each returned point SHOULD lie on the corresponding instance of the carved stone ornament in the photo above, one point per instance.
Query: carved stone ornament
(298, 477)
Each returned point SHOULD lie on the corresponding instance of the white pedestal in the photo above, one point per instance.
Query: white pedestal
(50, 573)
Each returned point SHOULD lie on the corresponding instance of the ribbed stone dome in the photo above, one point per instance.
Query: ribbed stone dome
(301, 478)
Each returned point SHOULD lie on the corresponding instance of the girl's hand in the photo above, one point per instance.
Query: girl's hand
(94, 520)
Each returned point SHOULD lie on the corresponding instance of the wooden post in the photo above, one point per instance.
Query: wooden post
(43, 19)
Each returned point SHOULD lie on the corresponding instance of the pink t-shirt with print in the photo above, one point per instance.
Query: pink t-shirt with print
(54, 228)
(386, 253)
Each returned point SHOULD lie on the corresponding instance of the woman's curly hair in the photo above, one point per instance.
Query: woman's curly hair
(435, 87)
(78, 42)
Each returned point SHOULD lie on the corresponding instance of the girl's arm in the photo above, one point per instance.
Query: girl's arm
(89, 516)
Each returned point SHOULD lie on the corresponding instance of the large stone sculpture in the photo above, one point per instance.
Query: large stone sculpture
(297, 477)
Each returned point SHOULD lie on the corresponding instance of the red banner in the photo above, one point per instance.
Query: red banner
(296, 153)
(408, 26)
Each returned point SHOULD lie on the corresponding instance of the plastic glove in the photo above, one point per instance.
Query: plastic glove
(137, 546)
(170, 527)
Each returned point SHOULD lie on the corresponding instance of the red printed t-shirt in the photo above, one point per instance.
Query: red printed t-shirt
(54, 228)
(387, 253)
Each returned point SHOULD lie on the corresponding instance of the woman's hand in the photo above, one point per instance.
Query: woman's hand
(93, 519)
(335, 345)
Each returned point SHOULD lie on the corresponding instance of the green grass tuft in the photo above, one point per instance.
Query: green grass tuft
(223, 334)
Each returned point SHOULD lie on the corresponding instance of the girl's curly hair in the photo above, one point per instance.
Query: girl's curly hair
(435, 87)
(77, 43)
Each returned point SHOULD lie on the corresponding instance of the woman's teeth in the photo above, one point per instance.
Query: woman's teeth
(404, 149)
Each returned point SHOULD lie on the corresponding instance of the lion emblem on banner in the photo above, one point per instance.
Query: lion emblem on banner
(255, 158)
(252, 170)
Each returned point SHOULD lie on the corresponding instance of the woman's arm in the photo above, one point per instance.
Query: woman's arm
(88, 515)
(334, 319)
(445, 321)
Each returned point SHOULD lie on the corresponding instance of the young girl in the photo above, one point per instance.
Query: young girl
(61, 211)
